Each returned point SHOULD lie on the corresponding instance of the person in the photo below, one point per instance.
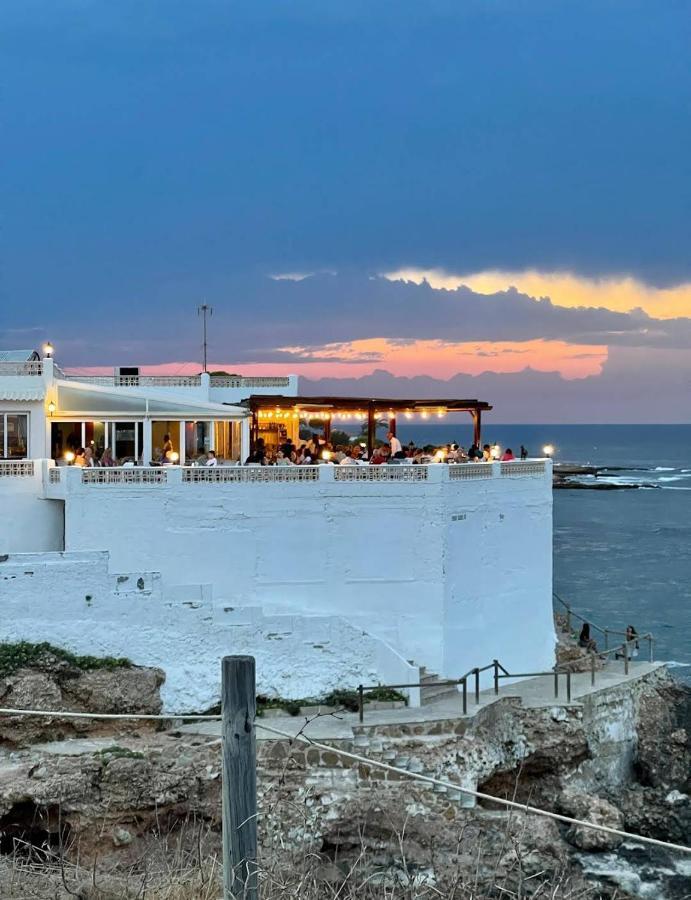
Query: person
(395, 446)
(524, 452)
(348, 459)
(211, 458)
(167, 447)
(474, 453)
(89, 457)
(486, 453)
(80, 458)
(584, 639)
(282, 459)
(507, 456)
(378, 457)
(107, 461)
(632, 641)
(128, 463)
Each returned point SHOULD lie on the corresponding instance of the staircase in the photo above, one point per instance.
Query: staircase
(432, 691)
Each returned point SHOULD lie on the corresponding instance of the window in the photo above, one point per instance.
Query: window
(198, 437)
(227, 441)
(14, 435)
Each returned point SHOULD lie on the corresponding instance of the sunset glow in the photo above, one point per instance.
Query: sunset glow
(564, 289)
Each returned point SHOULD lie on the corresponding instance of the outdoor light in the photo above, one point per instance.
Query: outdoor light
(173, 456)
(548, 450)
(424, 414)
(51, 408)
(440, 456)
(48, 349)
(69, 457)
(326, 455)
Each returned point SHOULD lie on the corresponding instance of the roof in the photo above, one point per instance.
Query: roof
(20, 393)
(90, 399)
(268, 401)
(18, 355)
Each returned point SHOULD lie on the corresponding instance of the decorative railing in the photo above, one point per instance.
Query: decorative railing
(135, 475)
(54, 475)
(265, 474)
(16, 468)
(237, 381)
(33, 367)
(381, 473)
(470, 470)
(139, 380)
(518, 469)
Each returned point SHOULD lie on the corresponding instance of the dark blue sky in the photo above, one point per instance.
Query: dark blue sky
(155, 154)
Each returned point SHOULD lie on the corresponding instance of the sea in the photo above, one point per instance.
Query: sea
(621, 557)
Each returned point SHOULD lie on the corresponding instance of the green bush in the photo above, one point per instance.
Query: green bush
(24, 655)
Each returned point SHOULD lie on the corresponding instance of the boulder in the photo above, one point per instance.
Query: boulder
(591, 808)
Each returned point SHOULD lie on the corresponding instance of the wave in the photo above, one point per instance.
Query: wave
(675, 664)
(664, 469)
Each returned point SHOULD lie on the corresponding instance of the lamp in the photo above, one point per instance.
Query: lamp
(48, 349)
(548, 450)
(69, 457)
(51, 408)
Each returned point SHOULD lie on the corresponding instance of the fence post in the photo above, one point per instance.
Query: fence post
(568, 618)
(650, 648)
(606, 639)
(556, 683)
(361, 703)
(495, 663)
(568, 686)
(626, 657)
(238, 709)
(477, 687)
(592, 669)
(465, 696)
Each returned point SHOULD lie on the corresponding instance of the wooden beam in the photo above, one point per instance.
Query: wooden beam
(371, 429)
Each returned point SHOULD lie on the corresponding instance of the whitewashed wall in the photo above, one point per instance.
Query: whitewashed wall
(450, 573)
(72, 601)
(28, 521)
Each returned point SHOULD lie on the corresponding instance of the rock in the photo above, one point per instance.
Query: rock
(56, 685)
(121, 837)
(593, 809)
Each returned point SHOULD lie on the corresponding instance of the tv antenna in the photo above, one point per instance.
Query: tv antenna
(205, 310)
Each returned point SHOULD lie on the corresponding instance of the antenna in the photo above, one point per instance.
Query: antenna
(205, 310)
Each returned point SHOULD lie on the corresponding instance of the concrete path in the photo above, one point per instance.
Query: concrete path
(533, 692)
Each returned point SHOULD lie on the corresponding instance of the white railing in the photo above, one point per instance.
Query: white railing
(33, 367)
(135, 475)
(67, 478)
(470, 470)
(381, 473)
(139, 380)
(265, 474)
(237, 381)
(517, 469)
(16, 468)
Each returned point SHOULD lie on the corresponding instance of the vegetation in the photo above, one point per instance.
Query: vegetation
(108, 754)
(340, 698)
(23, 655)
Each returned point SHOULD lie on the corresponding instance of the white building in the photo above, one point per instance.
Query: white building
(330, 575)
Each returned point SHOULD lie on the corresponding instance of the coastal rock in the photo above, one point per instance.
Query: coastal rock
(60, 686)
(599, 812)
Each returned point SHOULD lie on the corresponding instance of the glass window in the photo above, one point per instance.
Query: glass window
(227, 441)
(14, 435)
(95, 437)
(124, 444)
(197, 439)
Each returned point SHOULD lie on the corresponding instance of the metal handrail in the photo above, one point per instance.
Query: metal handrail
(501, 672)
(570, 612)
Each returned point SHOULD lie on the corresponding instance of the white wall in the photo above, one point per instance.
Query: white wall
(71, 600)
(28, 522)
(396, 558)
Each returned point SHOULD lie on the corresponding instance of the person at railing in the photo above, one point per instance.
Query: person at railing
(584, 639)
(211, 459)
(80, 458)
(524, 452)
(474, 454)
(283, 460)
(378, 456)
(486, 453)
(348, 458)
(631, 644)
(90, 462)
(395, 447)
(106, 461)
(507, 455)
(167, 448)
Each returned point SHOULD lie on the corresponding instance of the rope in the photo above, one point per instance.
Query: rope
(356, 757)
(523, 807)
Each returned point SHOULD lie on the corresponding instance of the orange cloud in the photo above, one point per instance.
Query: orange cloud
(439, 359)
(564, 289)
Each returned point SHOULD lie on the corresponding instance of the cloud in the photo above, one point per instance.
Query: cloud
(621, 294)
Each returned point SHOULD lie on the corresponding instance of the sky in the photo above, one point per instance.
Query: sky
(484, 198)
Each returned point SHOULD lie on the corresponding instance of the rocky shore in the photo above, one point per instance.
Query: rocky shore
(621, 757)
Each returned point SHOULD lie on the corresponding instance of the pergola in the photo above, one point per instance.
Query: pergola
(369, 409)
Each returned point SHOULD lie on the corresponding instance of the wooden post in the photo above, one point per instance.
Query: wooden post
(477, 431)
(626, 657)
(495, 663)
(592, 668)
(556, 683)
(568, 685)
(238, 709)
(361, 703)
(392, 425)
(465, 696)
(477, 687)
